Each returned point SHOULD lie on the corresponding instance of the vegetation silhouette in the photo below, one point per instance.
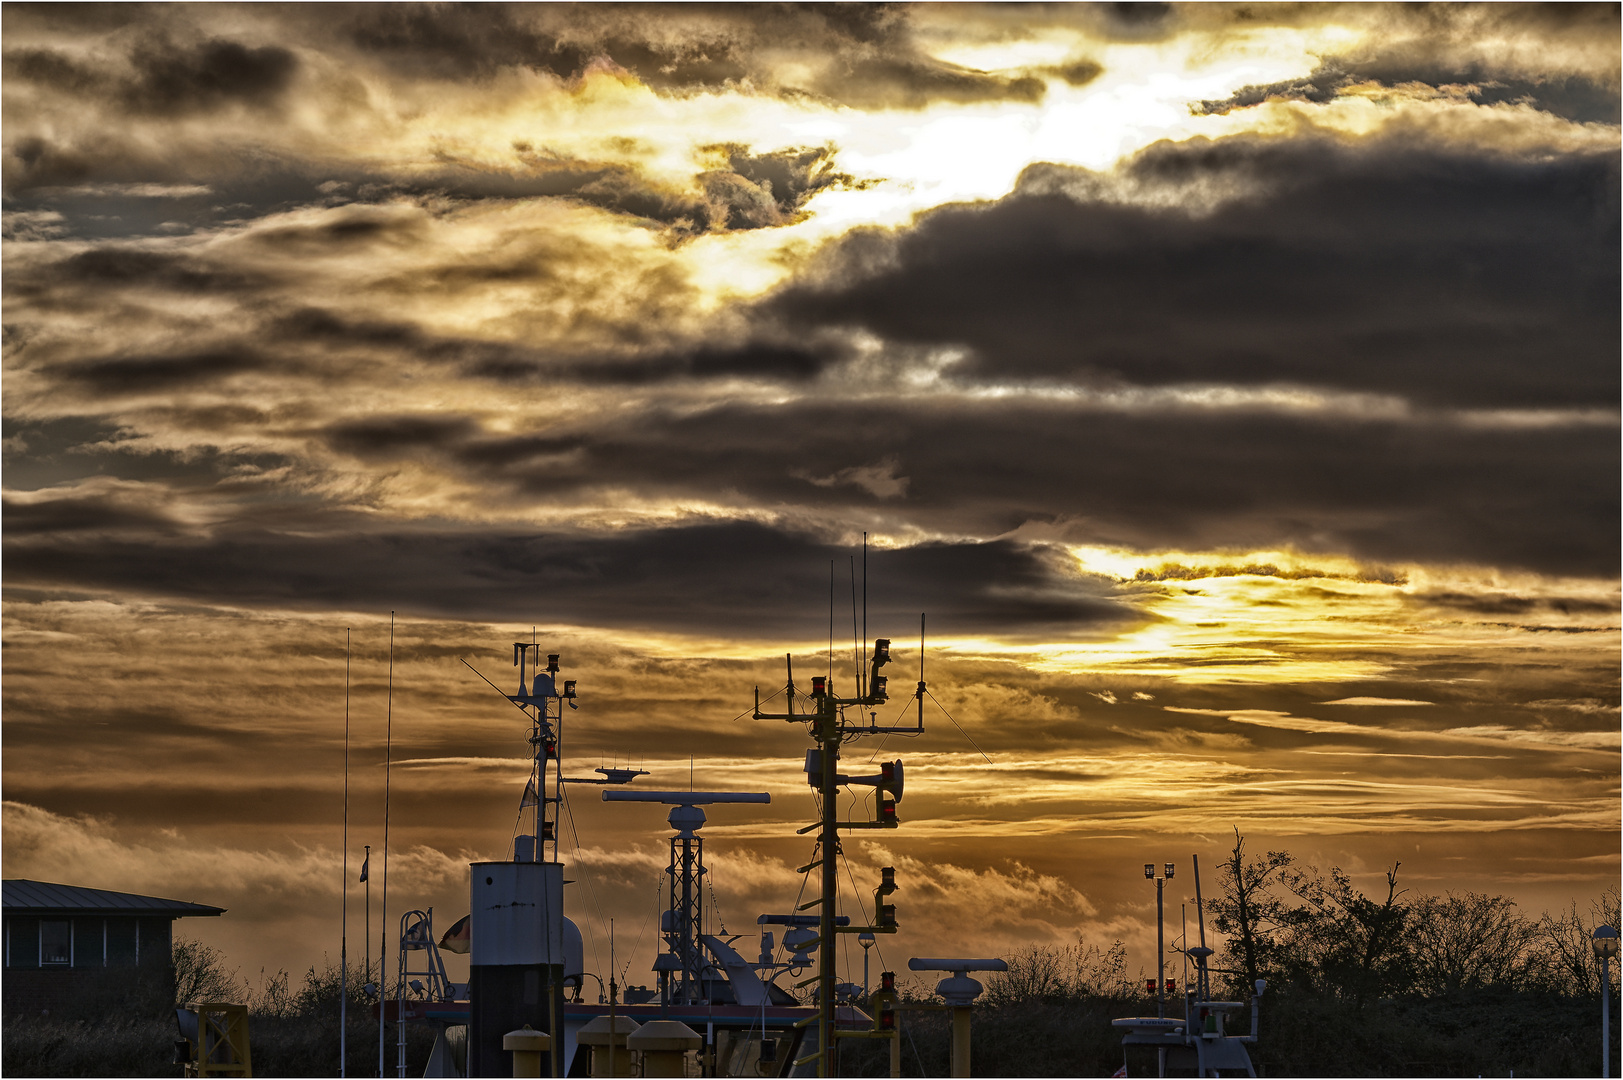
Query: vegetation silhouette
(1399, 984)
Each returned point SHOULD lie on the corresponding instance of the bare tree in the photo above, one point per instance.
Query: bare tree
(1060, 973)
(1463, 942)
(1565, 957)
(1341, 938)
(1247, 912)
(201, 975)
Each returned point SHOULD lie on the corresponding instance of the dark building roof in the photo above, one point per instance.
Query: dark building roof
(21, 895)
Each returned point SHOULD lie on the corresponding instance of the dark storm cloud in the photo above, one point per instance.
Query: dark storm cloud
(114, 266)
(43, 454)
(860, 55)
(455, 40)
(1573, 97)
(35, 161)
(320, 325)
(165, 78)
(90, 513)
(386, 436)
(143, 373)
(1510, 603)
(723, 578)
(1539, 498)
(789, 176)
(1462, 45)
(764, 360)
(1435, 275)
(881, 82)
(178, 80)
(758, 190)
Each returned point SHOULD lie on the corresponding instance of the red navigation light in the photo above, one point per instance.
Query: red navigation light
(884, 1002)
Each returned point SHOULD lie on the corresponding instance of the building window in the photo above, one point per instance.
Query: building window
(55, 942)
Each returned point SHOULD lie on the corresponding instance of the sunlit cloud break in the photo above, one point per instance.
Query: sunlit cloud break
(1234, 391)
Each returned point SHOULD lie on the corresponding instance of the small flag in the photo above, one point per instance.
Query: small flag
(457, 938)
(1121, 1071)
(364, 864)
(530, 798)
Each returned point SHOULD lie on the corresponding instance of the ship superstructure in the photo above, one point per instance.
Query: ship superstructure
(525, 957)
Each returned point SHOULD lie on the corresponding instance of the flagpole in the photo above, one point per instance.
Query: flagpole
(343, 919)
(383, 928)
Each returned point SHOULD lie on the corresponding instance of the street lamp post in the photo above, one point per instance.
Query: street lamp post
(1160, 937)
(1605, 943)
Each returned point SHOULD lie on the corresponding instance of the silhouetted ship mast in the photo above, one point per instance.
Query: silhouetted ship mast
(524, 955)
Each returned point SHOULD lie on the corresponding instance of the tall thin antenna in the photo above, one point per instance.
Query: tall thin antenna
(383, 930)
(831, 622)
(1200, 921)
(343, 918)
(860, 665)
(856, 647)
(1185, 950)
(1200, 909)
(921, 671)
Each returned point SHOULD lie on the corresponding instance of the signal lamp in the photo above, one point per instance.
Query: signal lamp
(1149, 869)
(887, 879)
(819, 685)
(876, 687)
(569, 688)
(890, 778)
(885, 810)
(881, 651)
(885, 1015)
(1169, 869)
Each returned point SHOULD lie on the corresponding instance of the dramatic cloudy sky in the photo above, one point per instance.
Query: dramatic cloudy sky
(1236, 388)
